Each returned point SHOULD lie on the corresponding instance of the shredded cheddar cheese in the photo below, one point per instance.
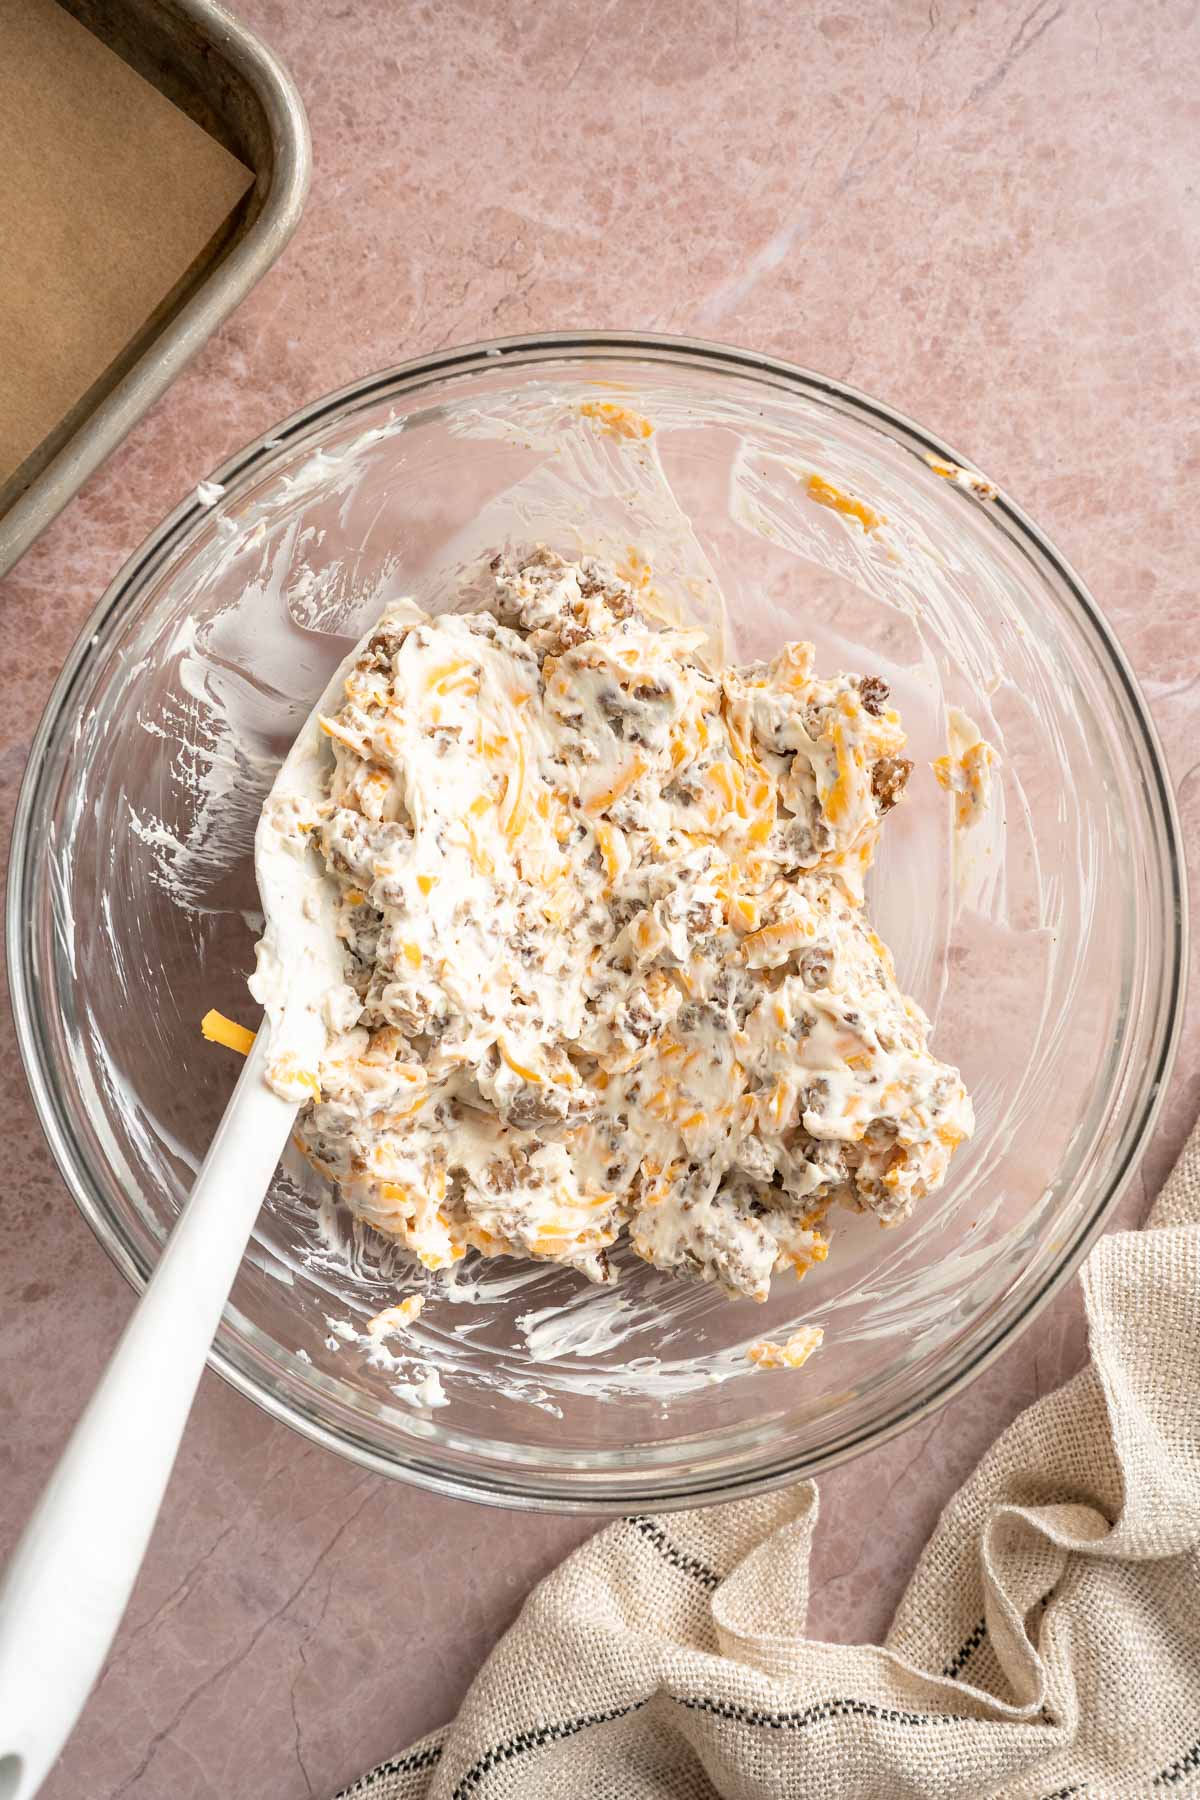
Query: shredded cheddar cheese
(618, 421)
(395, 1318)
(966, 770)
(826, 494)
(220, 1030)
(793, 1353)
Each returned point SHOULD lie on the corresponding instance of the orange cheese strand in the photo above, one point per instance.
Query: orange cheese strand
(793, 1353)
(623, 782)
(825, 494)
(220, 1030)
(618, 421)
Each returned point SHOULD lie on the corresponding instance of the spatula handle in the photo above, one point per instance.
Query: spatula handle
(71, 1575)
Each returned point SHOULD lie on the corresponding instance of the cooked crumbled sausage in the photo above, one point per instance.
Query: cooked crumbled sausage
(874, 691)
(531, 1108)
(889, 777)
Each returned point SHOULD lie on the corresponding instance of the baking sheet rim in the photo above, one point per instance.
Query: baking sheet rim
(213, 300)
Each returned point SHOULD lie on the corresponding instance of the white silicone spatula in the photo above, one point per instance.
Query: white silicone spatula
(68, 1582)
(70, 1577)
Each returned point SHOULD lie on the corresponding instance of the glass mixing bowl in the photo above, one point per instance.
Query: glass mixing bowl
(1046, 943)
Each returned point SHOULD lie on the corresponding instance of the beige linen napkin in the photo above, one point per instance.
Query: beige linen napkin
(1048, 1644)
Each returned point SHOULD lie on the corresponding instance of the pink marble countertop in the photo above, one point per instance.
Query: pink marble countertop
(985, 215)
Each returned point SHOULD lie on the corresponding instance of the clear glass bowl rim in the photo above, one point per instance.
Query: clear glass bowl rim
(421, 1468)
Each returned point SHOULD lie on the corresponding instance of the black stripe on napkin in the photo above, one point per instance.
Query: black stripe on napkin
(399, 1765)
(535, 1739)
(820, 1714)
(678, 1559)
(966, 1651)
(1184, 1765)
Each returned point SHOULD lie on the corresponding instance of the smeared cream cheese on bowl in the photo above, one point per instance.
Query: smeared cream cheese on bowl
(599, 965)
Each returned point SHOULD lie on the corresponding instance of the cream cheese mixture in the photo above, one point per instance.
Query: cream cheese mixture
(966, 769)
(607, 967)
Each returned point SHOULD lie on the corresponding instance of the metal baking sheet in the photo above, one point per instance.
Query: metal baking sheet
(219, 73)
